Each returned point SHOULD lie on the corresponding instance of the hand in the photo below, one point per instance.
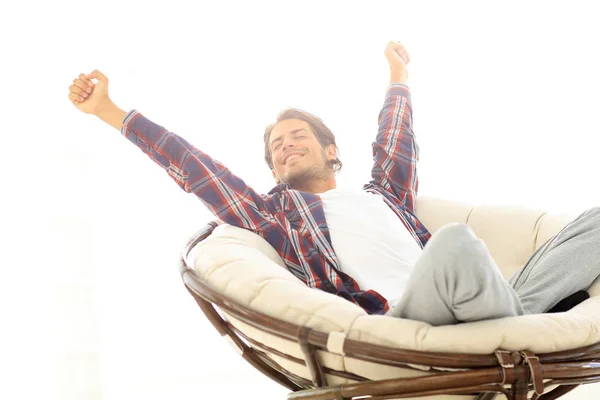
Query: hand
(398, 58)
(88, 96)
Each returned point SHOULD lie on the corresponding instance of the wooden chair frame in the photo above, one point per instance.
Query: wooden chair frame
(513, 374)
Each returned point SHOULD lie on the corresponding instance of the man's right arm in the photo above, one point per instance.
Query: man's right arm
(227, 196)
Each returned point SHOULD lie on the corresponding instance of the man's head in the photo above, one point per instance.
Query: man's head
(301, 151)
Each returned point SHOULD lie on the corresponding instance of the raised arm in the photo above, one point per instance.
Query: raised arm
(226, 195)
(395, 151)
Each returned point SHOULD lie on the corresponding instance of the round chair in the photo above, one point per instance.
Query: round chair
(321, 346)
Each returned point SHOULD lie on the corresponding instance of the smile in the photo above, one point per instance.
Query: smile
(291, 158)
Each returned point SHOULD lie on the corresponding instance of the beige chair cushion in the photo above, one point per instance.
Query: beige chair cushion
(246, 268)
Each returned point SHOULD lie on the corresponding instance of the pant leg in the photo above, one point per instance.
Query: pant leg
(456, 280)
(565, 264)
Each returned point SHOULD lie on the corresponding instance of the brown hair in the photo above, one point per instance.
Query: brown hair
(322, 132)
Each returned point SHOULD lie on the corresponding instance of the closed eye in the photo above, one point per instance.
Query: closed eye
(297, 134)
(278, 145)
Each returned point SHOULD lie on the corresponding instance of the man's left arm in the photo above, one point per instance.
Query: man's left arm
(395, 150)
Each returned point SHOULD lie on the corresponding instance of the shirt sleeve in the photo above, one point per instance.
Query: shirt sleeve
(225, 195)
(395, 150)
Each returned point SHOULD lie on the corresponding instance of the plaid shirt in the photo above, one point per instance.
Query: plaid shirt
(293, 222)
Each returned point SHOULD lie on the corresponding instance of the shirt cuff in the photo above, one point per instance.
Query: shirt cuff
(130, 115)
(398, 89)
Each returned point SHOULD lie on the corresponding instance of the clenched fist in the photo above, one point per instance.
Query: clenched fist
(88, 96)
(398, 58)
(92, 98)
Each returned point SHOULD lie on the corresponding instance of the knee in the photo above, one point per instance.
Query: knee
(456, 232)
(455, 253)
(451, 237)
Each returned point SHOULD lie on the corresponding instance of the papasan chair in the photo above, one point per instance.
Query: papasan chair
(323, 347)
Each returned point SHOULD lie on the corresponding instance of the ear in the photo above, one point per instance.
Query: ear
(275, 176)
(331, 152)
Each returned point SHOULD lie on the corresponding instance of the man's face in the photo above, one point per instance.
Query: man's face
(297, 155)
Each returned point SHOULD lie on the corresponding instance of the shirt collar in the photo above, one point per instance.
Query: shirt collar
(279, 188)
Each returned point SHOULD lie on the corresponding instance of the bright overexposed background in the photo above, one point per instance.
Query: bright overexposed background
(505, 98)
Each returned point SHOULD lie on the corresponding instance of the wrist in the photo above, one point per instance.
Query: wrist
(104, 109)
(398, 75)
(111, 114)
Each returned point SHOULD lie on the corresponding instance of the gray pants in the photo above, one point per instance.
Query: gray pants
(456, 279)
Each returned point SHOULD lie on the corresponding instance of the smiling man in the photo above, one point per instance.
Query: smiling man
(301, 151)
(365, 245)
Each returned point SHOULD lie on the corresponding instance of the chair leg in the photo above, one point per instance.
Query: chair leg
(519, 390)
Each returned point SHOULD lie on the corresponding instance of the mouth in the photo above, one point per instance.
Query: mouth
(291, 157)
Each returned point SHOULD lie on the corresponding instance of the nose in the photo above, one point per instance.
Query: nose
(286, 143)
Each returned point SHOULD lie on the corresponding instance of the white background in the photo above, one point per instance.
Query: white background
(505, 98)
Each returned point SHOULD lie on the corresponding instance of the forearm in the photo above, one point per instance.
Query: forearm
(395, 150)
(112, 115)
(224, 194)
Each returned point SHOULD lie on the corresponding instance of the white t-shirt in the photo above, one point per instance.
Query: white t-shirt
(372, 244)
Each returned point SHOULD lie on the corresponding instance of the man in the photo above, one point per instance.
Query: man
(365, 245)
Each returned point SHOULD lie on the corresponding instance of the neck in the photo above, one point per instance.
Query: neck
(316, 186)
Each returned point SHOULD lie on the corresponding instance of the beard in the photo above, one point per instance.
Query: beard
(302, 176)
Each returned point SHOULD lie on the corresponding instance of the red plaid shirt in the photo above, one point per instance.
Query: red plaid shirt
(293, 222)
